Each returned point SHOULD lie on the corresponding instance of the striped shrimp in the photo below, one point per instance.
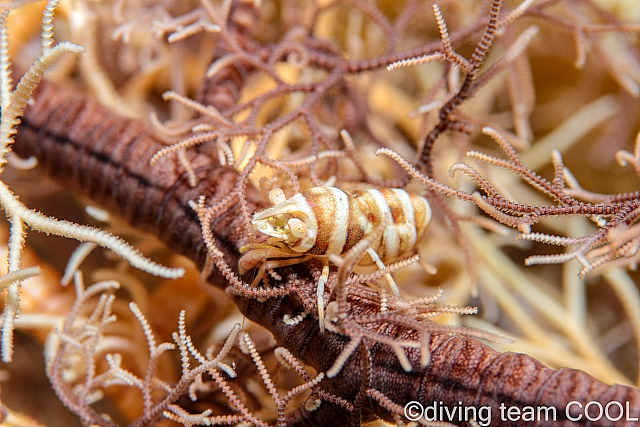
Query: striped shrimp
(324, 221)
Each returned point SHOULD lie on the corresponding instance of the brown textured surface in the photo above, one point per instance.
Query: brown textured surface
(84, 145)
(79, 142)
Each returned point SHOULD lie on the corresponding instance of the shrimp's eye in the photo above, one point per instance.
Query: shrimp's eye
(276, 196)
(297, 227)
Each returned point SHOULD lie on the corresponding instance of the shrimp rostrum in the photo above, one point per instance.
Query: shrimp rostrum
(324, 221)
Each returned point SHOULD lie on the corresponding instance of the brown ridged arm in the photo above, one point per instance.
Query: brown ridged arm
(86, 146)
(463, 372)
